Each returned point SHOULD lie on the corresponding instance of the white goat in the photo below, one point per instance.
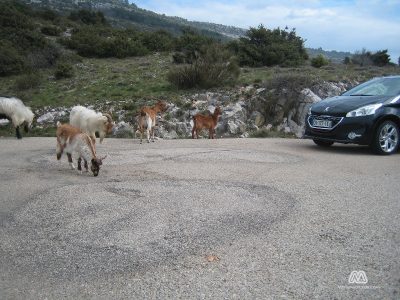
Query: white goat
(14, 110)
(79, 144)
(91, 122)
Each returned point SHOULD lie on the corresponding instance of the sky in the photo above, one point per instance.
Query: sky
(341, 25)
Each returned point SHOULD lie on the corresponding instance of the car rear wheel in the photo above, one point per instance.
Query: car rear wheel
(386, 138)
(323, 143)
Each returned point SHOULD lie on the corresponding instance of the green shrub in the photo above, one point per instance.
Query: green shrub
(11, 62)
(190, 46)
(265, 47)
(285, 86)
(319, 61)
(158, 41)
(214, 68)
(51, 30)
(366, 58)
(92, 41)
(28, 81)
(88, 17)
(64, 70)
(22, 47)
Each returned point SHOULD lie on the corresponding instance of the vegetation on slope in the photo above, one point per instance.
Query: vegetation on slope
(49, 59)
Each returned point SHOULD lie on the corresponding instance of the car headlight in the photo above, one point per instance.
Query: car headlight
(364, 111)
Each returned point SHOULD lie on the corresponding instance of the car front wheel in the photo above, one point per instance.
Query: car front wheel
(323, 143)
(386, 138)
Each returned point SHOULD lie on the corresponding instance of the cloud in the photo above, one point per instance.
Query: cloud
(342, 25)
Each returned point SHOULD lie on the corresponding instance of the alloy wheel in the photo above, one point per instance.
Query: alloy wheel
(388, 137)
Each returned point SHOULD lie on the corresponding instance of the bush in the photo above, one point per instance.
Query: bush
(64, 70)
(264, 47)
(158, 41)
(285, 86)
(22, 47)
(51, 30)
(319, 61)
(190, 46)
(88, 17)
(214, 68)
(366, 58)
(28, 81)
(101, 42)
(11, 62)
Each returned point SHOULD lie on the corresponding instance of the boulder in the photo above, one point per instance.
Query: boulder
(51, 117)
(123, 129)
(257, 118)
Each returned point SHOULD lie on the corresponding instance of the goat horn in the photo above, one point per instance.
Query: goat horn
(109, 118)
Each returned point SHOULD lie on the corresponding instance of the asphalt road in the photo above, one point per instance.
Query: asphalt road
(201, 219)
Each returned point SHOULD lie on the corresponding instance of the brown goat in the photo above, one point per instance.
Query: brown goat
(147, 119)
(72, 140)
(208, 122)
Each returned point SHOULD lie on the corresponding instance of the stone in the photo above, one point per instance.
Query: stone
(46, 118)
(257, 118)
(123, 129)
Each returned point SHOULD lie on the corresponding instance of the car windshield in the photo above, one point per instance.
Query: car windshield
(388, 86)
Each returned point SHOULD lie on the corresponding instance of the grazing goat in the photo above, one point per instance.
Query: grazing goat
(208, 122)
(74, 142)
(91, 122)
(147, 119)
(14, 110)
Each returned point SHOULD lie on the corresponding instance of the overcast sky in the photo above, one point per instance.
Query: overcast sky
(342, 25)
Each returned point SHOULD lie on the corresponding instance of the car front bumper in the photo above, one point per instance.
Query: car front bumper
(356, 130)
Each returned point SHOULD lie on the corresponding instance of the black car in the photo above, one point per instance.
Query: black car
(368, 114)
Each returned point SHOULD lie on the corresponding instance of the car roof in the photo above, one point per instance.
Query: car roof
(389, 76)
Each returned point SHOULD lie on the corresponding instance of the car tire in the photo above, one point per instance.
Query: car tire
(386, 138)
(322, 143)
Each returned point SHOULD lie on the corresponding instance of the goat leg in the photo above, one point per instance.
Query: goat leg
(79, 164)
(71, 164)
(18, 133)
(148, 135)
(60, 149)
(86, 165)
(152, 134)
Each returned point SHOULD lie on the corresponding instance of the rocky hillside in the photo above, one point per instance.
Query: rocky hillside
(122, 14)
(247, 111)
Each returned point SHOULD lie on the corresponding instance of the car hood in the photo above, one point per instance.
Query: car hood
(340, 105)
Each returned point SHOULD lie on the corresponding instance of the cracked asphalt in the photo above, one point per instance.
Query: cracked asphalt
(279, 218)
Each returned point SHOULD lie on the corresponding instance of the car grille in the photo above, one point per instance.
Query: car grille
(323, 122)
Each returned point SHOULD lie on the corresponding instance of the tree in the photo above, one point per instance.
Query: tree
(362, 58)
(265, 47)
(381, 58)
(366, 58)
(319, 61)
